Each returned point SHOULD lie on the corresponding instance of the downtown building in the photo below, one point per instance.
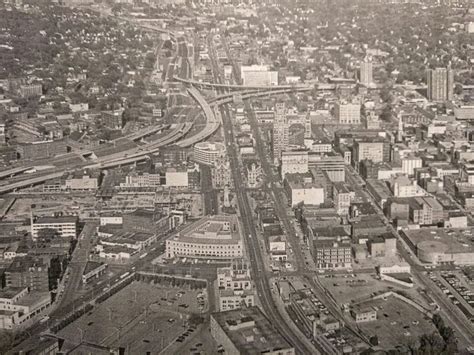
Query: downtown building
(281, 132)
(440, 83)
(258, 75)
(210, 238)
(365, 72)
(65, 226)
(235, 286)
(348, 113)
(248, 331)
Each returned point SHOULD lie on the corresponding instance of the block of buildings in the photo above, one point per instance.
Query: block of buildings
(235, 287)
(18, 305)
(248, 331)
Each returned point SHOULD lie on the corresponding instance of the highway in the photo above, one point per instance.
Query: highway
(212, 123)
(203, 84)
(76, 266)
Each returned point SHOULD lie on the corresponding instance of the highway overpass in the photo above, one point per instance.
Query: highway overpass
(212, 123)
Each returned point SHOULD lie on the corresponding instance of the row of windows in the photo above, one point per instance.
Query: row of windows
(203, 246)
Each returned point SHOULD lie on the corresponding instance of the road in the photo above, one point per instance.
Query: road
(73, 277)
(208, 192)
(273, 189)
(254, 253)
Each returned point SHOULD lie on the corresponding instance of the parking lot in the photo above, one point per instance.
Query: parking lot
(456, 286)
(142, 317)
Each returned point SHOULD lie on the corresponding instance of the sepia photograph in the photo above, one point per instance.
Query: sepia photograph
(236, 177)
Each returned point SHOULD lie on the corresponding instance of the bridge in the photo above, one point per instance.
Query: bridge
(14, 171)
(236, 87)
(29, 182)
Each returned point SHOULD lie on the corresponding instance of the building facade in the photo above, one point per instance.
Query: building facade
(440, 84)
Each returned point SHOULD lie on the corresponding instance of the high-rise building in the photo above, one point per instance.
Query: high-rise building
(281, 132)
(440, 83)
(348, 113)
(365, 72)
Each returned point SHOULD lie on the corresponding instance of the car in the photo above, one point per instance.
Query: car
(171, 320)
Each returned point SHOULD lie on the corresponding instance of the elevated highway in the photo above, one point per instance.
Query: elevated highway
(11, 172)
(29, 182)
(236, 87)
(212, 123)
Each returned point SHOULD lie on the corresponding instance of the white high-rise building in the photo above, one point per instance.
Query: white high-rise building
(440, 83)
(348, 113)
(365, 73)
(281, 134)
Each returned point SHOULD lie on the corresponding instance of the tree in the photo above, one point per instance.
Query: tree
(438, 321)
(47, 234)
(430, 344)
(386, 114)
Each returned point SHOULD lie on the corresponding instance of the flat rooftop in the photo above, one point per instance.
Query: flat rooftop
(250, 331)
(91, 265)
(455, 240)
(213, 229)
(59, 219)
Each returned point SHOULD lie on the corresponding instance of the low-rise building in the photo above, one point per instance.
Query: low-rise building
(93, 270)
(147, 221)
(300, 188)
(18, 305)
(248, 331)
(65, 226)
(362, 315)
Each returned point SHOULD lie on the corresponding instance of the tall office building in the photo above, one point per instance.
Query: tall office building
(281, 135)
(440, 83)
(365, 73)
